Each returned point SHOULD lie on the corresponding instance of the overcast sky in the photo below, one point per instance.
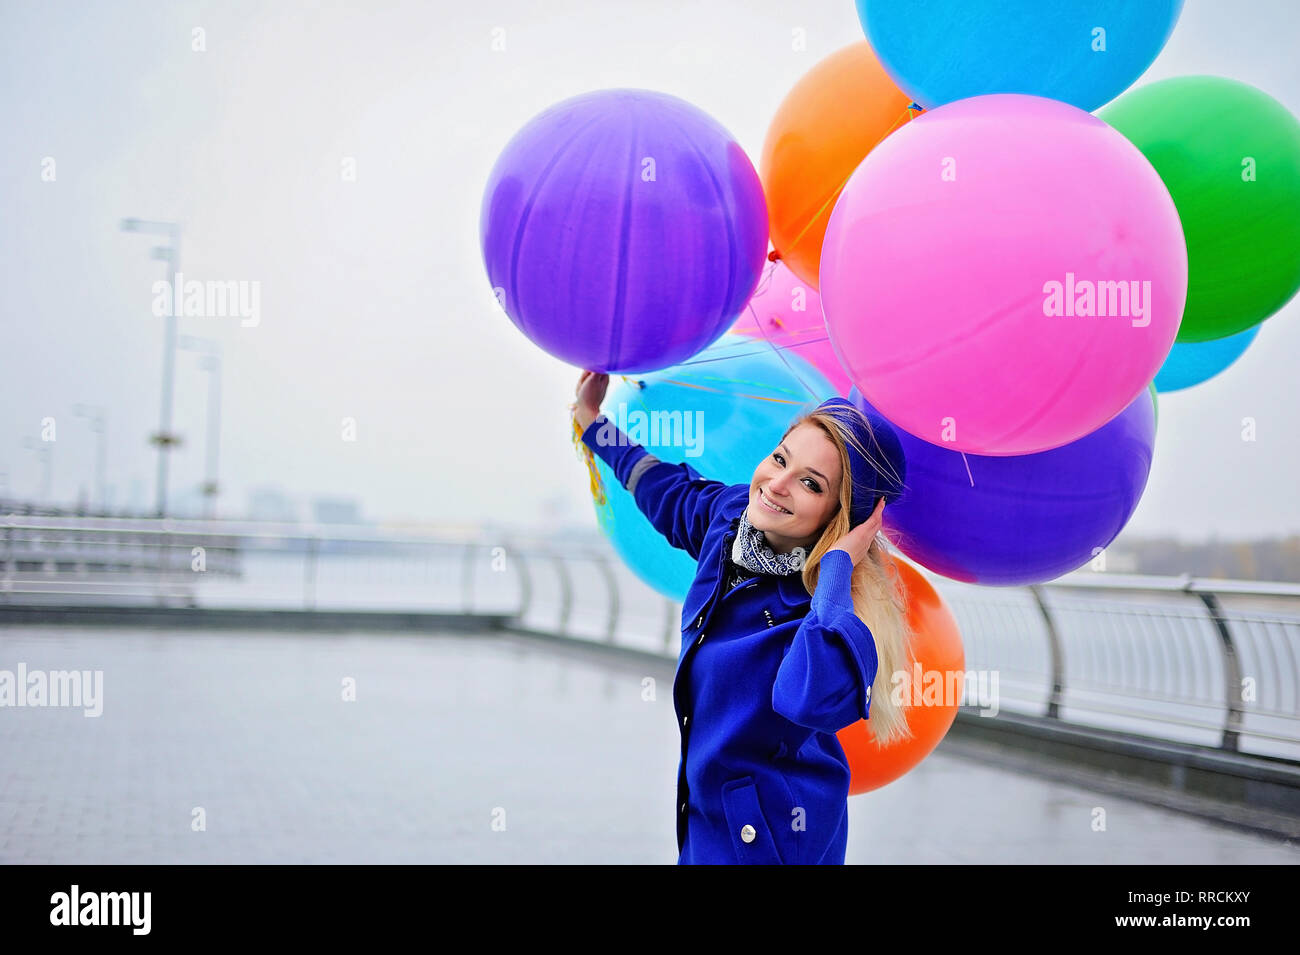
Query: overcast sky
(374, 301)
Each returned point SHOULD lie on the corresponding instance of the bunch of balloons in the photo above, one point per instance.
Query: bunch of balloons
(958, 244)
(1010, 279)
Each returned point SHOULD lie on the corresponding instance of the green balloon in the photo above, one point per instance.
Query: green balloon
(1155, 402)
(1230, 156)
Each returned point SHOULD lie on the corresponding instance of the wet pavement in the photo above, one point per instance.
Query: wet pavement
(266, 747)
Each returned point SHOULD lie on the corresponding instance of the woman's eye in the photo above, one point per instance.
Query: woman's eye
(812, 485)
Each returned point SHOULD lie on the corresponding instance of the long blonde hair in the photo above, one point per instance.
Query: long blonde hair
(879, 599)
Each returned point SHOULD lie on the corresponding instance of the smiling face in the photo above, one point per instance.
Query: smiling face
(796, 489)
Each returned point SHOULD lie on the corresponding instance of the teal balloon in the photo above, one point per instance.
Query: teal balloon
(1082, 52)
(720, 413)
(1190, 363)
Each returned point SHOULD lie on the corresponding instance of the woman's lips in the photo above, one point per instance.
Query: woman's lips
(774, 508)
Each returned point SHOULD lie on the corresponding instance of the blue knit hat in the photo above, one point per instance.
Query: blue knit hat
(870, 481)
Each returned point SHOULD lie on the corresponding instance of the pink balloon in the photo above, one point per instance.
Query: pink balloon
(1003, 275)
(787, 314)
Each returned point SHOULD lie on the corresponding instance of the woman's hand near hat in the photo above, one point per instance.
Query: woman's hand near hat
(857, 542)
(590, 392)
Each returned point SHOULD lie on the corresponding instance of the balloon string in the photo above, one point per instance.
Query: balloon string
(968, 474)
(687, 384)
(779, 351)
(596, 484)
(730, 354)
(817, 216)
(903, 117)
(768, 271)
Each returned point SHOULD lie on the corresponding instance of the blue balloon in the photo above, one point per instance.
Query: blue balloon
(720, 413)
(1023, 519)
(1190, 363)
(1082, 53)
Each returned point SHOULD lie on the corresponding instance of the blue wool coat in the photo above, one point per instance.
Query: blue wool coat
(765, 678)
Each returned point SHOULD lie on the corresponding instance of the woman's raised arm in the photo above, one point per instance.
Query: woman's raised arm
(676, 499)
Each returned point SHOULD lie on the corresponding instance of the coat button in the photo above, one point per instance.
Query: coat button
(747, 833)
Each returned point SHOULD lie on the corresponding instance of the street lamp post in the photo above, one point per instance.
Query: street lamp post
(42, 448)
(211, 363)
(99, 425)
(164, 438)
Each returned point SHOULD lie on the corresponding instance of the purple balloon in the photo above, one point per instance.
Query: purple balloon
(1021, 519)
(623, 230)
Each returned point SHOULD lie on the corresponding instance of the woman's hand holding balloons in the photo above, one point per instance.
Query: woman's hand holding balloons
(590, 392)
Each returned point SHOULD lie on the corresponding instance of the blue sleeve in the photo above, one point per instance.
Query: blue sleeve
(676, 500)
(824, 681)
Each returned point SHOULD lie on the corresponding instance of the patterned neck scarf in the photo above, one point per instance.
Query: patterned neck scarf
(752, 552)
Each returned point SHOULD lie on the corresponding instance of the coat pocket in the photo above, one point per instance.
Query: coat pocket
(750, 834)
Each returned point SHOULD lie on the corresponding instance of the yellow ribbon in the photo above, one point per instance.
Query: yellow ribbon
(597, 485)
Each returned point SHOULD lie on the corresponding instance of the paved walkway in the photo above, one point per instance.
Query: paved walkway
(458, 748)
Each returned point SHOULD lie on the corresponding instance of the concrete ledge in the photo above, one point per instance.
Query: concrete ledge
(645, 659)
(1257, 793)
(247, 619)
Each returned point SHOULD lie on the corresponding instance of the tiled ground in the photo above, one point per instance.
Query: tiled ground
(448, 733)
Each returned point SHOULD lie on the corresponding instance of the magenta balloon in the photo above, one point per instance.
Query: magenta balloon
(787, 314)
(1024, 519)
(1003, 275)
(623, 230)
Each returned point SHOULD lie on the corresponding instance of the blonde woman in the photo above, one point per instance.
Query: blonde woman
(791, 628)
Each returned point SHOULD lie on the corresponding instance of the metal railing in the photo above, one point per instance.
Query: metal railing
(1209, 662)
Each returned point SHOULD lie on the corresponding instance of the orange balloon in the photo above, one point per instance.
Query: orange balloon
(931, 695)
(822, 130)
